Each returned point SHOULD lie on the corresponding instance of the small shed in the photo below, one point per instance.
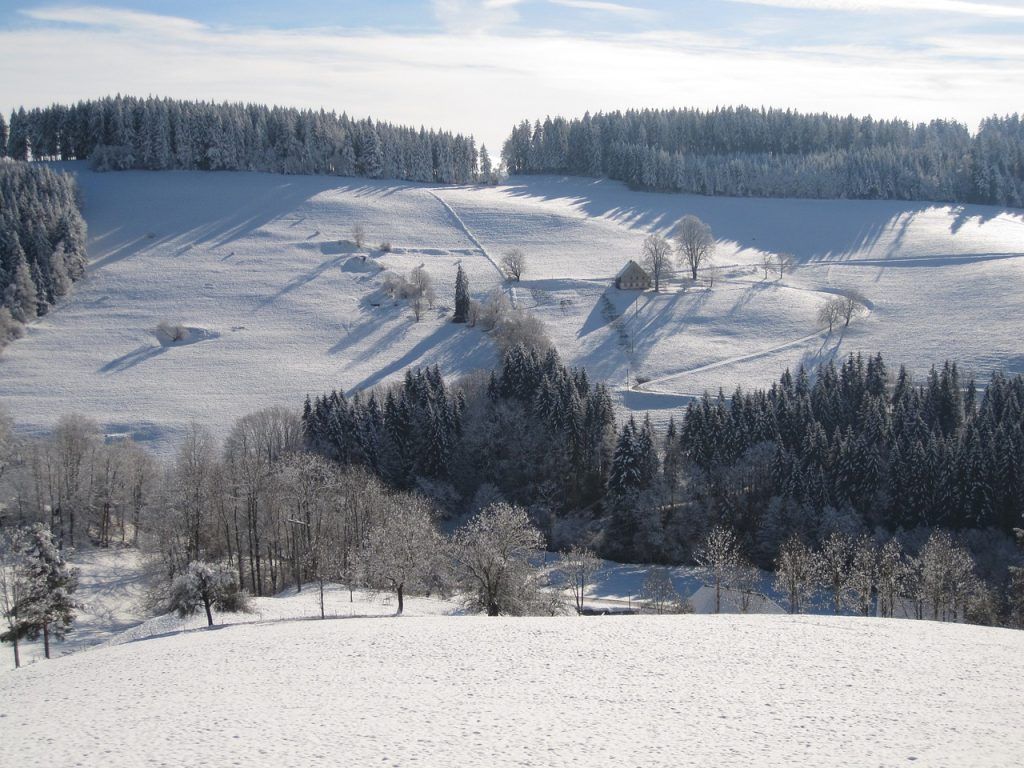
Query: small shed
(632, 277)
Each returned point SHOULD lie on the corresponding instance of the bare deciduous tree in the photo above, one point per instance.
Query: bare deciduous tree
(513, 262)
(785, 263)
(657, 258)
(851, 303)
(946, 579)
(402, 550)
(891, 577)
(422, 291)
(694, 242)
(661, 594)
(15, 586)
(358, 235)
(795, 573)
(493, 554)
(863, 574)
(830, 313)
(719, 559)
(768, 263)
(580, 570)
(834, 563)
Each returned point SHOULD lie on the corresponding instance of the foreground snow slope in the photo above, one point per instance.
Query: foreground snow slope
(280, 304)
(638, 691)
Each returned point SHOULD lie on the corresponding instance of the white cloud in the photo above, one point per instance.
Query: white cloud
(483, 82)
(475, 15)
(117, 18)
(986, 10)
(617, 9)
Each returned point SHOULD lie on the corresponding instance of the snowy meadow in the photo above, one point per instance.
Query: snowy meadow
(261, 267)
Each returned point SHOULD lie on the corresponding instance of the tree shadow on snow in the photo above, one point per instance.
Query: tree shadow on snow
(811, 230)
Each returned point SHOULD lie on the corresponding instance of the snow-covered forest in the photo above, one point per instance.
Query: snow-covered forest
(780, 153)
(122, 132)
(848, 451)
(42, 242)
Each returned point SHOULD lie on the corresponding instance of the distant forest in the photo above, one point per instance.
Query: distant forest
(122, 132)
(42, 242)
(780, 153)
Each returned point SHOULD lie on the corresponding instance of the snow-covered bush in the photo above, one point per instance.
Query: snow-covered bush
(106, 157)
(208, 586)
(385, 246)
(10, 329)
(172, 331)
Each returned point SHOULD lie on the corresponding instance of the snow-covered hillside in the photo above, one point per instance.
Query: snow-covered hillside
(279, 303)
(442, 691)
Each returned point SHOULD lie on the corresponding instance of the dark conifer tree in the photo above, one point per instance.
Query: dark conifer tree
(461, 296)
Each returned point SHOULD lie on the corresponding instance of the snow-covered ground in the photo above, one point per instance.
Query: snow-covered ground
(608, 691)
(280, 304)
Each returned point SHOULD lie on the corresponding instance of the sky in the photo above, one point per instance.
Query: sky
(479, 66)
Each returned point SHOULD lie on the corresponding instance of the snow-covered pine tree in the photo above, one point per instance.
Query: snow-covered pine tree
(486, 170)
(49, 607)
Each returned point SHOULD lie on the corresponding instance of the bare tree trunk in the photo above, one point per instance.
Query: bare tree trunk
(209, 613)
(401, 598)
(46, 640)
(17, 657)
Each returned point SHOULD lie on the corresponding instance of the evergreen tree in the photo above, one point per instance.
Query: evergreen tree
(461, 296)
(486, 171)
(49, 608)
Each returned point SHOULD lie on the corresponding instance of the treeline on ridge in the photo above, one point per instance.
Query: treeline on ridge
(124, 132)
(743, 151)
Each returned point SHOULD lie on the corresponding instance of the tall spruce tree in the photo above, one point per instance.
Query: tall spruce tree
(461, 296)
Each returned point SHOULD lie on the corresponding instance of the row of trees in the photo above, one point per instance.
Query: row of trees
(42, 242)
(860, 574)
(780, 153)
(124, 132)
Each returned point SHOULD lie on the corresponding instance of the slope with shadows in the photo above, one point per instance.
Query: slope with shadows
(281, 304)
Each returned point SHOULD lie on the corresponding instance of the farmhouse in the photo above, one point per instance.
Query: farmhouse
(632, 277)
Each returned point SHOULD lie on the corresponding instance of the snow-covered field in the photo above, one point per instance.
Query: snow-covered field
(280, 304)
(608, 691)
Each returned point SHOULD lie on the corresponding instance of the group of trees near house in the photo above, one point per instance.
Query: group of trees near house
(744, 151)
(124, 132)
(42, 242)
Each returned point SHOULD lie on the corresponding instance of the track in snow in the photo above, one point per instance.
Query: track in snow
(750, 355)
(472, 238)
